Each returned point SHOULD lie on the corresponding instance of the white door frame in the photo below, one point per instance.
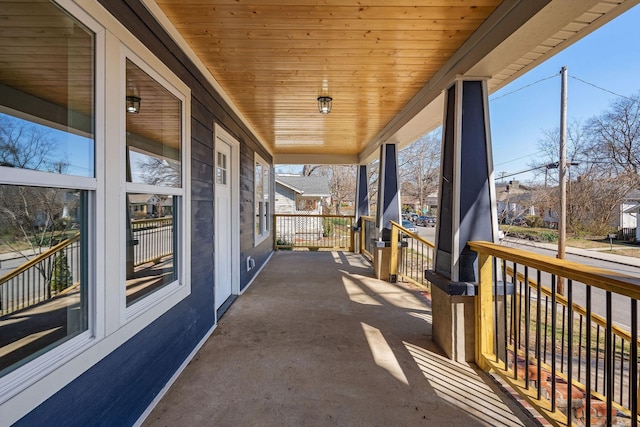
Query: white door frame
(225, 136)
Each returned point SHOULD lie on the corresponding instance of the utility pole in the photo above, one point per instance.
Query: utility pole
(562, 173)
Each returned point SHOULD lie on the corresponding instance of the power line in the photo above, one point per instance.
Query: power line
(519, 158)
(524, 87)
(603, 89)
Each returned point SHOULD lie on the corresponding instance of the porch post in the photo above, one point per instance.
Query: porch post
(467, 192)
(466, 212)
(362, 196)
(387, 209)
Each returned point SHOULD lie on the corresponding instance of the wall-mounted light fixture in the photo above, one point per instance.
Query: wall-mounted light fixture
(324, 104)
(133, 104)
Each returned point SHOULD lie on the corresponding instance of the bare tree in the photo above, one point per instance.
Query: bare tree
(308, 170)
(157, 171)
(342, 181)
(602, 161)
(27, 146)
(33, 214)
(419, 167)
(614, 137)
(549, 145)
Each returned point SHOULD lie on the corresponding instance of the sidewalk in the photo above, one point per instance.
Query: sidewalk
(596, 253)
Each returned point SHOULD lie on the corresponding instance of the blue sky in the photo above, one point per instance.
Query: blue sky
(608, 58)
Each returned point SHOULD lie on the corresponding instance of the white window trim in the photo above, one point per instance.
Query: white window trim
(29, 377)
(180, 288)
(30, 385)
(265, 232)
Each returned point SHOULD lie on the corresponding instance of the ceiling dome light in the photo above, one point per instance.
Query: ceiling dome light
(324, 104)
(133, 104)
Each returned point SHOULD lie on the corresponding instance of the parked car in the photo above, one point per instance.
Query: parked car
(413, 217)
(409, 226)
(427, 221)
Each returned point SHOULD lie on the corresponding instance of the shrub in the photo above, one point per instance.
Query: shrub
(534, 221)
(327, 227)
(548, 237)
(61, 277)
(283, 242)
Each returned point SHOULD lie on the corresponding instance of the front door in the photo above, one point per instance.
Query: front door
(223, 223)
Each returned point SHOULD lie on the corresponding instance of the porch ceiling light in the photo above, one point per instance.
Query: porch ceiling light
(133, 104)
(324, 104)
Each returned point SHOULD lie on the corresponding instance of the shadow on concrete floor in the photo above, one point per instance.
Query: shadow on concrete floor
(318, 341)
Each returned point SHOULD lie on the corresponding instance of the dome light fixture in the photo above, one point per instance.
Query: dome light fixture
(324, 104)
(133, 104)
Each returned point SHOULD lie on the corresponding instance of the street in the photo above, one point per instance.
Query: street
(621, 306)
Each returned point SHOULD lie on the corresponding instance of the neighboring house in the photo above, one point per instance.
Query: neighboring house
(142, 206)
(625, 217)
(300, 195)
(513, 201)
(431, 203)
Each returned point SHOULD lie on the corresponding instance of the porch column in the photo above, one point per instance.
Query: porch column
(388, 207)
(387, 210)
(362, 196)
(466, 212)
(467, 192)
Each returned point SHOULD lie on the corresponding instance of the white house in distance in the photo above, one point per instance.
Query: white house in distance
(513, 201)
(301, 194)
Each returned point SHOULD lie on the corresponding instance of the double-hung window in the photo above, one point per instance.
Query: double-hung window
(94, 176)
(261, 194)
(47, 183)
(154, 205)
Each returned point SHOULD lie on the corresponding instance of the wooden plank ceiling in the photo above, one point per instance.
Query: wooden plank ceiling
(274, 57)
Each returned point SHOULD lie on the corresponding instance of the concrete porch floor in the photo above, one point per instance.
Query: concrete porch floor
(318, 341)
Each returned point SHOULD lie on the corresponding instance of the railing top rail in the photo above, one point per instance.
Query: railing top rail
(413, 235)
(152, 220)
(312, 215)
(604, 279)
(27, 265)
(368, 217)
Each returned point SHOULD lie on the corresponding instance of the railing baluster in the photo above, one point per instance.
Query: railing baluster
(608, 359)
(496, 322)
(504, 312)
(622, 376)
(527, 320)
(553, 342)
(597, 356)
(562, 337)
(546, 327)
(515, 321)
(580, 326)
(538, 344)
(588, 354)
(569, 349)
(633, 364)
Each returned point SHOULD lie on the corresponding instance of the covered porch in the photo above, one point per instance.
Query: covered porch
(318, 340)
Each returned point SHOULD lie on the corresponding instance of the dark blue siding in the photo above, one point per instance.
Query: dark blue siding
(118, 389)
